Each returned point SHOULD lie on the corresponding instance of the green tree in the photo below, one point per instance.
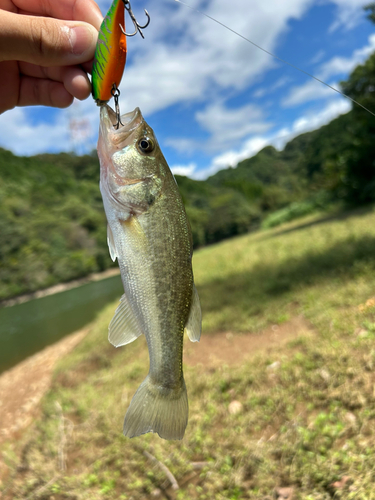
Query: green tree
(358, 156)
(371, 8)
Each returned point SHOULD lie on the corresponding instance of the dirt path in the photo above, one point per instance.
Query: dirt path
(22, 387)
(233, 348)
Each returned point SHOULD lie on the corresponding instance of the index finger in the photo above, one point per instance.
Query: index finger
(69, 10)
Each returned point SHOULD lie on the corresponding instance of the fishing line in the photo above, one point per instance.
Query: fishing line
(275, 56)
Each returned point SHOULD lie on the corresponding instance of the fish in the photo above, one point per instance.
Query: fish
(149, 234)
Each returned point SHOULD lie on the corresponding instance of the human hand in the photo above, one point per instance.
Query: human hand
(43, 44)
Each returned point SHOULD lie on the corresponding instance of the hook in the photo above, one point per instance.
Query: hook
(138, 27)
(116, 94)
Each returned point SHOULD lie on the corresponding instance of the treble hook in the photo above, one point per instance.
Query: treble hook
(138, 27)
(116, 94)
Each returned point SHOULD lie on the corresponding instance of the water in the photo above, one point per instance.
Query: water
(26, 328)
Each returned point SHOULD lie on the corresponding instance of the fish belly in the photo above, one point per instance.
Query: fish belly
(155, 264)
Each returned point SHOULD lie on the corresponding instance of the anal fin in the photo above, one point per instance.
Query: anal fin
(124, 327)
(193, 325)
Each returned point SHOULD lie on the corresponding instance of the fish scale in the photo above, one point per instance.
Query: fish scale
(149, 234)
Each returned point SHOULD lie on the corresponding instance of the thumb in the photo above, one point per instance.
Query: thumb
(45, 41)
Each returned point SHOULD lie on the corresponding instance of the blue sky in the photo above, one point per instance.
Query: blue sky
(212, 98)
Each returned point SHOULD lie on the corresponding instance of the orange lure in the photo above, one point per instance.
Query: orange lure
(110, 54)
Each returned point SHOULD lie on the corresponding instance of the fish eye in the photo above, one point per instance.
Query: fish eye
(146, 145)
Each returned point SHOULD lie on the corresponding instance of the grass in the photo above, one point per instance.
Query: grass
(307, 423)
(293, 211)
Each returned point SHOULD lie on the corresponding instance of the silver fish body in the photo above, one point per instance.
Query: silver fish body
(149, 234)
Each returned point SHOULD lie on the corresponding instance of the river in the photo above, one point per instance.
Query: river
(28, 327)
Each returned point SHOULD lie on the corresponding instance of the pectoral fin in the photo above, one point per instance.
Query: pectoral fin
(193, 325)
(124, 327)
(111, 244)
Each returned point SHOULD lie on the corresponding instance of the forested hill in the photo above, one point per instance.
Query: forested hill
(302, 171)
(53, 227)
(52, 222)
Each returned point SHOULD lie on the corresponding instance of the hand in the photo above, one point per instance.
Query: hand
(46, 49)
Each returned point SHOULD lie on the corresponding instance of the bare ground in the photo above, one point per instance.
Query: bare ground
(22, 387)
(233, 348)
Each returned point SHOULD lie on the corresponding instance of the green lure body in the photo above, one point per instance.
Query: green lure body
(110, 54)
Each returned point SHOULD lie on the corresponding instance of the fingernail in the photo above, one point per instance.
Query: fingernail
(80, 39)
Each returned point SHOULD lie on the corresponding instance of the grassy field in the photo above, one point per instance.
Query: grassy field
(298, 416)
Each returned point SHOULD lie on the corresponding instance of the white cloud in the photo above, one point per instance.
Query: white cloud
(232, 157)
(227, 125)
(310, 91)
(186, 58)
(187, 170)
(311, 121)
(226, 128)
(318, 57)
(281, 82)
(73, 128)
(313, 90)
(25, 138)
(349, 14)
(258, 94)
(314, 120)
(183, 144)
(204, 59)
(343, 65)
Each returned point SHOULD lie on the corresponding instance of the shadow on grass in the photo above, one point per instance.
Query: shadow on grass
(339, 216)
(250, 290)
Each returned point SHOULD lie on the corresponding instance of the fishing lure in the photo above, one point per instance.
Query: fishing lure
(110, 53)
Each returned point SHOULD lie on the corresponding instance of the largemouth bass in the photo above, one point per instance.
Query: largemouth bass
(149, 234)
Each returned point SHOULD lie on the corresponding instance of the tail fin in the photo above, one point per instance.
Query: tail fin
(157, 409)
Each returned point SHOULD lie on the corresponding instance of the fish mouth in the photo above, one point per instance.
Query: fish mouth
(129, 122)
